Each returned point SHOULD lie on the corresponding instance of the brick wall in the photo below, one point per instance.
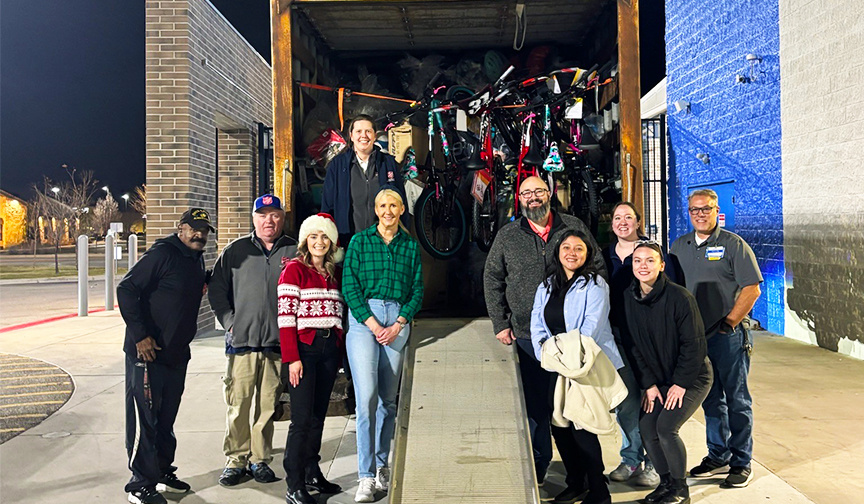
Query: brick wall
(822, 69)
(206, 91)
(737, 125)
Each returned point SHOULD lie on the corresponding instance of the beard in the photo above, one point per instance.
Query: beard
(536, 214)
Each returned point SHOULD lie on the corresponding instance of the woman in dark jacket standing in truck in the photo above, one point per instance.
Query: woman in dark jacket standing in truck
(672, 367)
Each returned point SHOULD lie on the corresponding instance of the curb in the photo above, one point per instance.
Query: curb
(25, 325)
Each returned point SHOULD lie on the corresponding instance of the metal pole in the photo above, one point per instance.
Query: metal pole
(83, 271)
(109, 271)
(133, 250)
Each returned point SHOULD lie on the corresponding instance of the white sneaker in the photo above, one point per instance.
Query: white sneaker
(382, 479)
(365, 490)
(623, 472)
(648, 477)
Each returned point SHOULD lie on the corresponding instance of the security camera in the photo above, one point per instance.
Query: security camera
(741, 79)
(681, 105)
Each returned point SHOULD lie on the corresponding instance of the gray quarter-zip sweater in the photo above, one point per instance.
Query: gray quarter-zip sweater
(242, 291)
(517, 263)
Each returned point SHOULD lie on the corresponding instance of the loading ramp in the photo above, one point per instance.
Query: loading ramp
(462, 434)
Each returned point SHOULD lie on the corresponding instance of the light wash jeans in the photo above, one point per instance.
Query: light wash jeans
(375, 369)
(628, 413)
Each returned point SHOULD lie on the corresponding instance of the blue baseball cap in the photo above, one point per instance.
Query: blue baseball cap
(267, 200)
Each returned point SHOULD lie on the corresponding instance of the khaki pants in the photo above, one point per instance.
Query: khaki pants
(251, 379)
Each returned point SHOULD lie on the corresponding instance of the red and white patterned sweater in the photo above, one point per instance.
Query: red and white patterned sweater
(307, 301)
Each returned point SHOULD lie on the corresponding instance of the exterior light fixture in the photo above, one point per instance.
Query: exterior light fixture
(704, 157)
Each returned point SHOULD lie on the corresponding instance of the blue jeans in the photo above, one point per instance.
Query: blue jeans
(632, 451)
(536, 386)
(728, 407)
(375, 369)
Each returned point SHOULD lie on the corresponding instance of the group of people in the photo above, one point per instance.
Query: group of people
(292, 311)
(628, 329)
(594, 331)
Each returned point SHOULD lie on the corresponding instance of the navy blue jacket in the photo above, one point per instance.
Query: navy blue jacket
(336, 198)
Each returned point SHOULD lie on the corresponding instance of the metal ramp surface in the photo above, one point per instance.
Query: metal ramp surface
(462, 435)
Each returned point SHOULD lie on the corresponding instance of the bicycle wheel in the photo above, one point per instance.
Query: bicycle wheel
(484, 220)
(439, 231)
(583, 200)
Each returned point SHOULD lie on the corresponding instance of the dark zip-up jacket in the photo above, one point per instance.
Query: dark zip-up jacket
(160, 297)
(517, 263)
(242, 292)
(668, 334)
(336, 196)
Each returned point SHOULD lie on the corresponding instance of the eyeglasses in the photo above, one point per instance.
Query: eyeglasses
(536, 192)
(705, 210)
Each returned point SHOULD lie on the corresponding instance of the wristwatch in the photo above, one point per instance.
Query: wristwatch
(401, 324)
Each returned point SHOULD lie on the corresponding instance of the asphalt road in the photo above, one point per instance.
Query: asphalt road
(30, 302)
(39, 259)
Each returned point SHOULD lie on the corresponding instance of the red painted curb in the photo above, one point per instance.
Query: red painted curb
(45, 321)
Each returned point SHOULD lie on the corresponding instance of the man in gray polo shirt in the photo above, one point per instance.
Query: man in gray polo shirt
(721, 272)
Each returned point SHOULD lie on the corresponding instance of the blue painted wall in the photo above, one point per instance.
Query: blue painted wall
(737, 125)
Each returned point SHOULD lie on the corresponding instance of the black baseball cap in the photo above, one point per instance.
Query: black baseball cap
(197, 218)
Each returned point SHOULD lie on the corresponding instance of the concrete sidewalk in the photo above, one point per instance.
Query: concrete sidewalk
(808, 408)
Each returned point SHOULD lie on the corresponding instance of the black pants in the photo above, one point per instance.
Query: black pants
(309, 402)
(151, 408)
(582, 457)
(535, 385)
(660, 427)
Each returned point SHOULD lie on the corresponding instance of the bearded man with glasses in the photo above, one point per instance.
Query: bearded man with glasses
(515, 266)
(721, 272)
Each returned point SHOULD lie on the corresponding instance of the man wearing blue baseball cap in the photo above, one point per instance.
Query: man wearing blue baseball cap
(243, 296)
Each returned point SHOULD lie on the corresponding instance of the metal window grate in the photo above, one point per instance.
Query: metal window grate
(654, 140)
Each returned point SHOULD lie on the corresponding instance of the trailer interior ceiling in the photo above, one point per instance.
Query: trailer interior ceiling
(443, 25)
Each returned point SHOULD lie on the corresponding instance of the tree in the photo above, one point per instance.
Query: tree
(60, 206)
(138, 200)
(105, 212)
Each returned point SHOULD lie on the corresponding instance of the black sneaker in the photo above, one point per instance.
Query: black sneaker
(321, 484)
(709, 467)
(170, 483)
(739, 477)
(231, 476)
(147, 495)
(262, 473)
(571, 494)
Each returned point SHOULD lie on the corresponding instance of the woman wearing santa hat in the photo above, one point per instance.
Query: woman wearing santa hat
(311, 338)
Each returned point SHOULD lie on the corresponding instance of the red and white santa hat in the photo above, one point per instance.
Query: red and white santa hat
(322, 222)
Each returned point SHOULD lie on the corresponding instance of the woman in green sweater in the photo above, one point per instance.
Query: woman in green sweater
(383, 288)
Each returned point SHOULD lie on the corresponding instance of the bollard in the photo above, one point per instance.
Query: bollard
(133, 250)
(109, 271)
(83, 271)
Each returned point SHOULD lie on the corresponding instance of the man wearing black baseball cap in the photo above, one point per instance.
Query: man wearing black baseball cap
(243, 296)
(159, 300)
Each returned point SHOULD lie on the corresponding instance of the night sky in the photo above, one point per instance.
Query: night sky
(72, 84)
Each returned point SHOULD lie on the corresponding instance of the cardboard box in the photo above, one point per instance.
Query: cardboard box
(405, 135)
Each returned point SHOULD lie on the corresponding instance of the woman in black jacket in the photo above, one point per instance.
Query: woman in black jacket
(672, 367)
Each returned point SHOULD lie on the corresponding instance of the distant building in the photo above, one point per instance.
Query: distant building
(13, 220)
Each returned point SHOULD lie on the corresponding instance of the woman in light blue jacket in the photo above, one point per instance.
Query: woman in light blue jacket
(576, 297)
